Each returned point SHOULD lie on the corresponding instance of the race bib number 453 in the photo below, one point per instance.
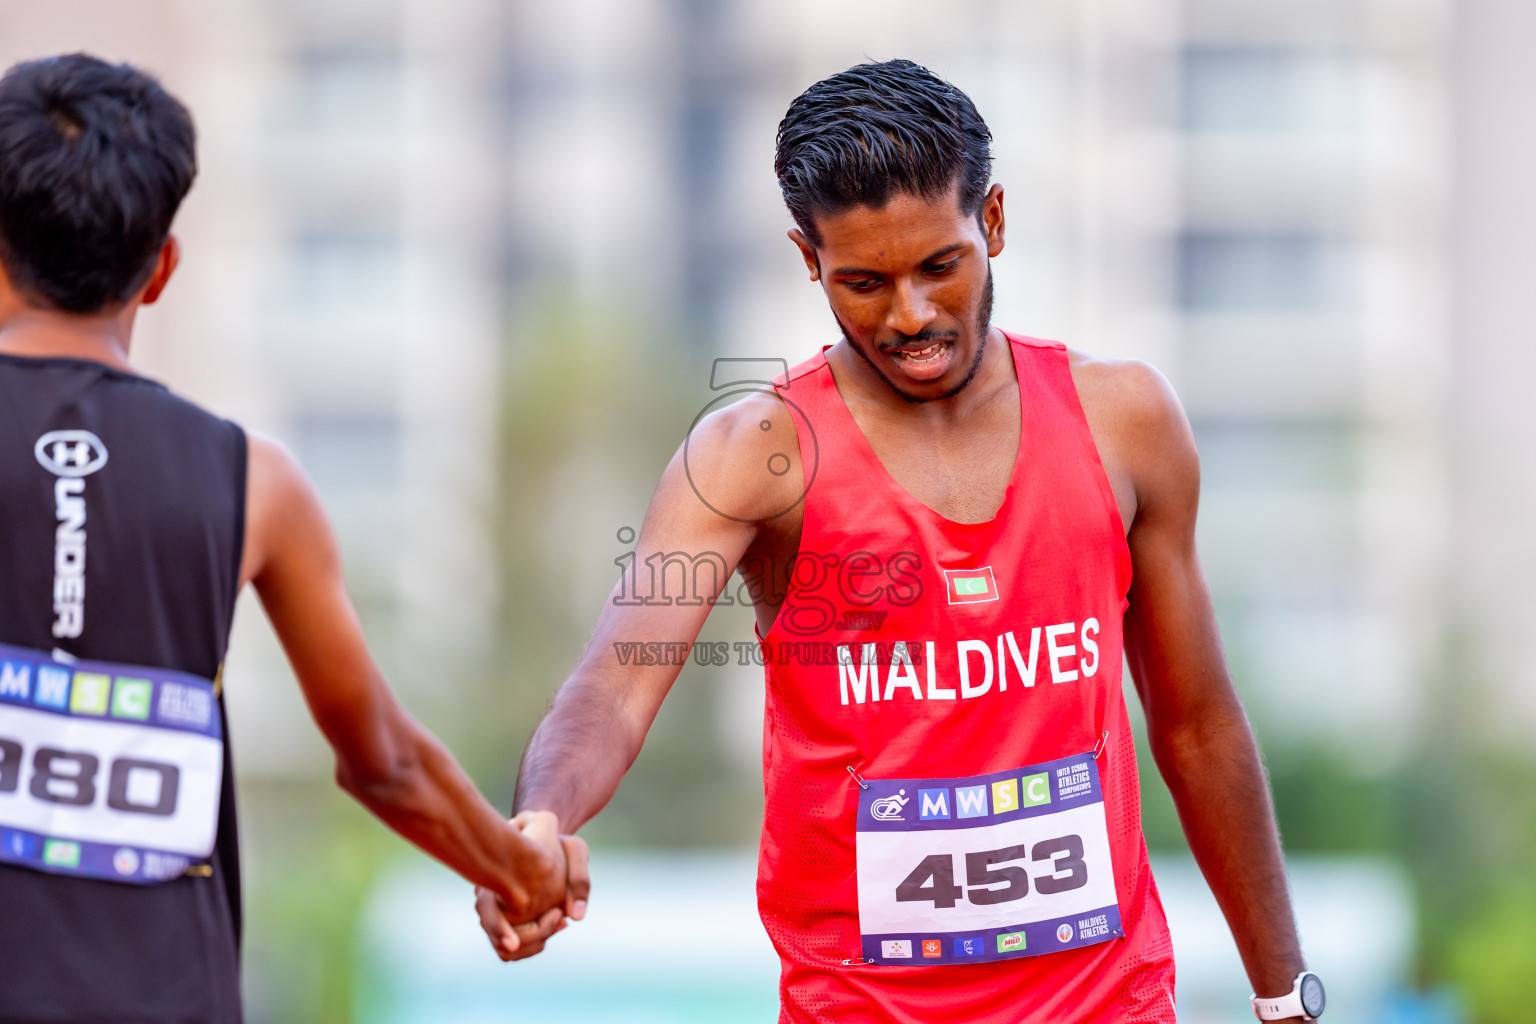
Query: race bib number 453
(107, 771)
(996, 866)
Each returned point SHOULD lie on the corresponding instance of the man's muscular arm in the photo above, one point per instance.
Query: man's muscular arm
(599, 718)
(392, 765)
(1199, 734)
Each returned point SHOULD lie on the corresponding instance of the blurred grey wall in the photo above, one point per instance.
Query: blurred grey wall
(1491, 549)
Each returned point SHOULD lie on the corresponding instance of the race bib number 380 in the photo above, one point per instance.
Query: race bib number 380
(968, 870)
(106, 771)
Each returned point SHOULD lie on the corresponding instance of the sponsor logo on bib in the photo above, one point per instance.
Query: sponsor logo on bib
(17, 844)
(89, 696)
(971, 801)
(131, 698)
(61, 853)
(1035, 790)
(897, 949)
(891, 808)
(52, 687)
(933, 947)
(1010, 942)
(125, 861)
(1064, 933)
(15, 679)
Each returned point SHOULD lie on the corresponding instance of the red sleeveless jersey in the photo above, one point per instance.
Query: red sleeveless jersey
(1050, 572)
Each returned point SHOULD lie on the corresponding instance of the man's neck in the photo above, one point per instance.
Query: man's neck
(47, 334)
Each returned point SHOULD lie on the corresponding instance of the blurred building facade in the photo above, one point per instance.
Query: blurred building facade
(1254, 197)
(1492, 476)
(338, 290)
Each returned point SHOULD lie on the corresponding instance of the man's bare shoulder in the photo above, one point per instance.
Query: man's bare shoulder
(271, 470)
(280, 504)
(743, 461)
(1143, 437)
(1123, 389)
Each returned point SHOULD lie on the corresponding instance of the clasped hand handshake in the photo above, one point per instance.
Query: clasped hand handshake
(552, 901)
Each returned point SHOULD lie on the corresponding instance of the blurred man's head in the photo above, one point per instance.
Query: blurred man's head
(95, 159)
(885, 169)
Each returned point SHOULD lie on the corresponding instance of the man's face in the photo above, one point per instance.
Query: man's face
(910, 285)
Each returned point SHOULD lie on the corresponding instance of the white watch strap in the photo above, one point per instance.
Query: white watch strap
(1280, 1007)
(1292, 1004)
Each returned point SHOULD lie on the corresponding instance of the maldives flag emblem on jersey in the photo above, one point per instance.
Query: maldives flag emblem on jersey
(970, 586)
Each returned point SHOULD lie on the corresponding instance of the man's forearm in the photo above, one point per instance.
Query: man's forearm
(1222, 796)
(578, 754)
(425, 796)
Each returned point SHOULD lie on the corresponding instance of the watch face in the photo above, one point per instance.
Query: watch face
(1312, 998)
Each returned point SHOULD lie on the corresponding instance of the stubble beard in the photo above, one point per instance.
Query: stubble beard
(983, 329)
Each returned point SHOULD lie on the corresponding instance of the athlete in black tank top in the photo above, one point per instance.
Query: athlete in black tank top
(148, 578)
(129, 521)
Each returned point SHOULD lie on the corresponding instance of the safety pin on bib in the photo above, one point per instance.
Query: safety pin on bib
(1096, 750)
(857, 961)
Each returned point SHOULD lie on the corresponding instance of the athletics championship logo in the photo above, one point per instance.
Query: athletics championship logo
(890, 808)
(970, 586)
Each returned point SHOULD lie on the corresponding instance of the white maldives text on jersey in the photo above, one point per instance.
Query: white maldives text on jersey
(975, 668)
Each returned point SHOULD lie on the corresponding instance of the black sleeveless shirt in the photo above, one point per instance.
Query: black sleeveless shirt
(164, 532)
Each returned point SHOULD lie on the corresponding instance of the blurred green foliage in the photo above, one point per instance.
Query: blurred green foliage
(1459, 810)
(312, 854)
(1491, 951)
(1468, 805)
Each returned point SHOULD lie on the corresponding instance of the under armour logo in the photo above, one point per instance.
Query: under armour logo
(70, 452)
(78, 454)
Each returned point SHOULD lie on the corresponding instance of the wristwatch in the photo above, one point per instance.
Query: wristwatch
(1305, 1000)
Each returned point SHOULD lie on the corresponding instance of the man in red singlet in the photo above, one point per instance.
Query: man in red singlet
(974, 532)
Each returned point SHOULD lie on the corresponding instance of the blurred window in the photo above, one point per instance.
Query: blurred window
(350, 88)
(341, 267)
(1269, 89)
(1291, 454)
(1261, 272)
(350, 452)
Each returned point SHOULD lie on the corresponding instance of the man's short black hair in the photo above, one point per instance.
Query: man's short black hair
(94, 160)
(864, 134)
